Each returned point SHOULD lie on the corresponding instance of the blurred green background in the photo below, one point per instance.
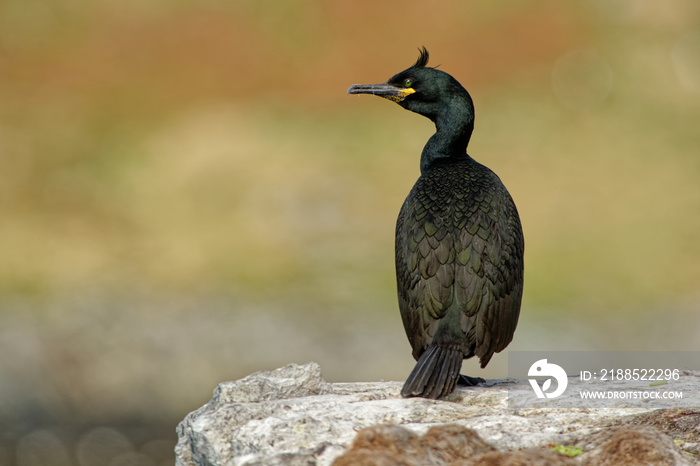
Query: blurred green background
(188, 194)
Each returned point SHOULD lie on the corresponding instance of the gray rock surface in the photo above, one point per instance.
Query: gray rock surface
(292, 416)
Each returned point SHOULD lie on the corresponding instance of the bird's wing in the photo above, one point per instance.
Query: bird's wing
(419, 310)
(489, 270)
(424, 266)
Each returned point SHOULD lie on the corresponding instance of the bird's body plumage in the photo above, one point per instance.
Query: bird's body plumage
(459, 250)
(459, 242)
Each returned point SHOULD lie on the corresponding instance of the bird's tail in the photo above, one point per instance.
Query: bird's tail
(435, 374)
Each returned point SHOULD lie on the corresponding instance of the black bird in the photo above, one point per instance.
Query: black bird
(459, 243)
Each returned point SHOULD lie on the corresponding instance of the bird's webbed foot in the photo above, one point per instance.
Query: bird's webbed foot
(469, 381)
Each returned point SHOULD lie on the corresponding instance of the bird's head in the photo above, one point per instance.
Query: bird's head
(421, 89)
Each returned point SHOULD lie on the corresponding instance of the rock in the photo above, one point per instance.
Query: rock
(453, 445)
(292, 381)
(450, 443)
(291, 416)
(681, 424)
(383, 445)
(623, 446)
(388, 444)
(528, 456)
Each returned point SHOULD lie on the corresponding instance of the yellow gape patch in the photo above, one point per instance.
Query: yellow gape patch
(402, 94)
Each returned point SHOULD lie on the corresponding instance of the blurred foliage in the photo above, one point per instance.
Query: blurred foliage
(196, 146)
(188, 194)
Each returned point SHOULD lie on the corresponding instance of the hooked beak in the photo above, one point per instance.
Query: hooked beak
(386, 90)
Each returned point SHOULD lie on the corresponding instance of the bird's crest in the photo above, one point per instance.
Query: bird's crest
(422, 59)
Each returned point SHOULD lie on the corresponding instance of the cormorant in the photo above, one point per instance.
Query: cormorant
(459, 243)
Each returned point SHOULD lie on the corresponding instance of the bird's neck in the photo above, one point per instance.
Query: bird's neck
(454, 127)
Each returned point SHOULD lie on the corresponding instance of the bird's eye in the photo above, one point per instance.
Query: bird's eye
(408, 83)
